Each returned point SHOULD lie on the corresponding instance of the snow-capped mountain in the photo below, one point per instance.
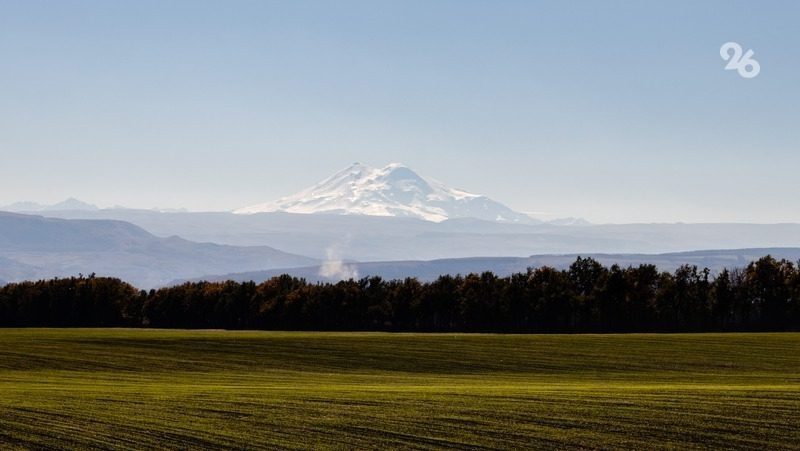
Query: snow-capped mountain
(394, 190)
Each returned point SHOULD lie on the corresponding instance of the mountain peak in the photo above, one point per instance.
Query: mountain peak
(357, 167)
(392, 166)
(70, 204)
(393, 190)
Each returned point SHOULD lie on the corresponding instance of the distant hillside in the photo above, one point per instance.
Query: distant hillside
(504, 266)
(379, 238)
(37, 247)
(11, 270)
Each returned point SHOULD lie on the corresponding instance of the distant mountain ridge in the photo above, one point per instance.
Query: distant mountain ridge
(429, 270)
(106, 242)
(70, 204)
(382, 238)
(34, 247)
(394, 190)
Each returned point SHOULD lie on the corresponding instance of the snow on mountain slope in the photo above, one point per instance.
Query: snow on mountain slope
(394, 190)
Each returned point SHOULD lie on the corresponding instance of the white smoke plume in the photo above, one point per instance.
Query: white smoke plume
(335, 268)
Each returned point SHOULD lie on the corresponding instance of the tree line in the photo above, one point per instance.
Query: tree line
(586, 297)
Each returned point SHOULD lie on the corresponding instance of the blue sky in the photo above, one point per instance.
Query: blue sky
(613, 111)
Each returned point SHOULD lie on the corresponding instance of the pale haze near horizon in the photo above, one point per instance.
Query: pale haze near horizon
(615, 112)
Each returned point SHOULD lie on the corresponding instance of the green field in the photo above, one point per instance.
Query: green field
(84, 388)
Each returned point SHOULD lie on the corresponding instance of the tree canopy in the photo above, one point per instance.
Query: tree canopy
(586, 297)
